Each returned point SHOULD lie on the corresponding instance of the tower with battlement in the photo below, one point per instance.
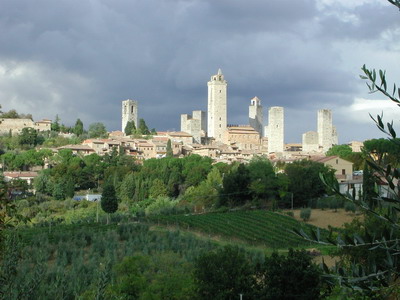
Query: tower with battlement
(256, 115)
(217, 106)
(129, 112)
(275, 128)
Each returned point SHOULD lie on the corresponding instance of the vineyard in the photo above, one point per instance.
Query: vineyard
(257, 227)
(77, 261)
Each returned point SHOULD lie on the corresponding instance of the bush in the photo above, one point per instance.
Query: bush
(162, 206)
(290, 213)
(350, 207)
(305, 214)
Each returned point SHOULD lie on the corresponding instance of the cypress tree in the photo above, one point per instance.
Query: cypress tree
(109, 201)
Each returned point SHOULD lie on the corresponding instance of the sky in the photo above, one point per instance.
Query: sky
(82, 58)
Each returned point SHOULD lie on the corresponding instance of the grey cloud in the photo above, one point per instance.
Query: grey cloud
(93, 54)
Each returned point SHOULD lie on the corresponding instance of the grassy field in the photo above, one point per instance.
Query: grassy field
(258, 227)
(328, 217)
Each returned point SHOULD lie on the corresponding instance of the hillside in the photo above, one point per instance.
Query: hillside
(257, 227)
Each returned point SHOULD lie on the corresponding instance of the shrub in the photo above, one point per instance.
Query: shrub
(305, 214)
(290, 213)
(350, 207)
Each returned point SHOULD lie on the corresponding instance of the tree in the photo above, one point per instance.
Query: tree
(143, 127)
(235, 187)
(55, 126)
(224, 274)
(97, 130)
(289, 277)
(170, 153)
(11, 114)
(109, 201)
(28, 137)
(130, 128)
(264, 184)
(343, 151)
(304, 180)
(78, 128)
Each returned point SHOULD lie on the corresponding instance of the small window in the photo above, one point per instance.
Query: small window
(343, 171)
(337, 161)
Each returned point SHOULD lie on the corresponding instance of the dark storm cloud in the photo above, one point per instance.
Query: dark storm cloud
(81, 58)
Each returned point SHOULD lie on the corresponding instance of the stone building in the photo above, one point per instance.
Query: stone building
(194, 124)
(275, 129)
(256, 115)
(129, 112)
(15, 126)
(310, 142)
(244, 137)
(217, 106)
(327, 135)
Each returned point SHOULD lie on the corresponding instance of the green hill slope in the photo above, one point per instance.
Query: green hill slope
(255, 227)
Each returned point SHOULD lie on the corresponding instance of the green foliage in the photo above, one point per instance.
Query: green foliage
(350, 207)
(255, 227)
(55, 126)
(289, 277)
(74, 262)
(130, 128)
(343, 151)
(235, 187)
(158, 189)
(28, 136)
(143, 129)
(170, 153)
(384, 151)
(161, 206)
(78, 128)
(97, 130)
(224, 274)
(264, 184)
(305, 214)
(109, 201)
(304, 180)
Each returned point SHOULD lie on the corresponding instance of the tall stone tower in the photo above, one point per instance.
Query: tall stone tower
(256, 115)
(217, 110)
(275, 129)
(129, 112)
(325, 129)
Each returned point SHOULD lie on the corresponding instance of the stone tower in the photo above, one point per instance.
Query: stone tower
(275, 129)
(217, 109)
(325, 129)
(194, 124)
(129, 112)
(256, 115)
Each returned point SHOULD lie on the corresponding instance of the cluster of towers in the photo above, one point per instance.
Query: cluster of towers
(195, 124)
(213, 124)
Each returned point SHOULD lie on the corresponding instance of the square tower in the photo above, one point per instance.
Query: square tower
(325, 129)
(256, 115)
(275, 129)
(217, 106)
(129, 112)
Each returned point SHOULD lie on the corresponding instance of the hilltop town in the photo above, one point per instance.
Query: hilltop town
(206, 133)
